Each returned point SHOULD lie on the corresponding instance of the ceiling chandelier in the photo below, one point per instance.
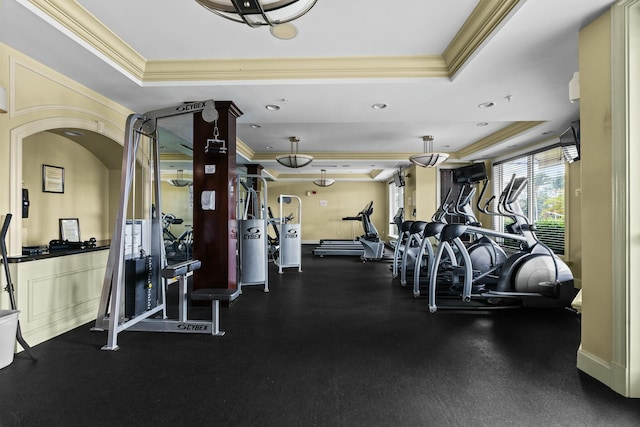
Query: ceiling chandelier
(323, 181)
(294, 159)
(179, 180)
(256, 13)
(429, 158)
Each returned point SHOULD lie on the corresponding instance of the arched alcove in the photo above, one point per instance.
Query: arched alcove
(101, 141)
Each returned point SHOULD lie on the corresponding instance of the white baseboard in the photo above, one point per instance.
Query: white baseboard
(594, 366)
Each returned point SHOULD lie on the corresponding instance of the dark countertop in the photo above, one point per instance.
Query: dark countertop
(101, 245)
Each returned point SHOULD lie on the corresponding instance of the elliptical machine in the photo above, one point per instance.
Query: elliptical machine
(417, 233)
(486, 256)
(534, 276)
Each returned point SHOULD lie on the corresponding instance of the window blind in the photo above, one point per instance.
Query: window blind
(543, 201)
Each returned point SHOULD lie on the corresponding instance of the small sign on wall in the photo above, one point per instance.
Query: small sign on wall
(323, 203)
(52, 179)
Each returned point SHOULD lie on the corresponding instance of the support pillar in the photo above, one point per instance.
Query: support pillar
(215, 230)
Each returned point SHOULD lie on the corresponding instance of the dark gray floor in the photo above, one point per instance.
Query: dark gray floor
(340, 344)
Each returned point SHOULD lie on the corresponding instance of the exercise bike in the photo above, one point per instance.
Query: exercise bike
(176, 246)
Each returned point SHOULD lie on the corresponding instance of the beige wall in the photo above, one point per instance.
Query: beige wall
(426, 192)
(175, 200)
(342, 199)
(410, 194)
(86, 189)
(40, 99)
(610, 98)
(595, 121)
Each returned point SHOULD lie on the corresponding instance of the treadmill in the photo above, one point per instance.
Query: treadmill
(348, 247)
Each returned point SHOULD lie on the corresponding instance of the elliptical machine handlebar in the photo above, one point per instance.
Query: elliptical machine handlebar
(443, 210)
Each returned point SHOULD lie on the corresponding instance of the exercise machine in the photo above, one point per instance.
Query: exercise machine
(336, 247)
(370, 240)
(176, 247)
(253, 220)
(273, 242)
(485, 254)
(533, 276)
(368, 247)
(137, 276)
(400, 246)
(289, 236)
(413, 251)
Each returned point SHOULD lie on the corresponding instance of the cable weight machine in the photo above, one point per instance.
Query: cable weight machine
(140, 241)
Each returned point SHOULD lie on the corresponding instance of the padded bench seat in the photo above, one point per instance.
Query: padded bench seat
(180, 269)
(215, 295)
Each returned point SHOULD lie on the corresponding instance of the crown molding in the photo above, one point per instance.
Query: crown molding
(72, 18)
(174, 156)
(92, 33)
(487, 16)
(419, 66)
(496, 138)
(244, 150)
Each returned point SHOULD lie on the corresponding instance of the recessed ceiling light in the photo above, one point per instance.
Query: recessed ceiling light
(380, 106)
(268, 147)
(482, 124)
(255, 126)
(73, 133)
(272, 107)
(488, 104)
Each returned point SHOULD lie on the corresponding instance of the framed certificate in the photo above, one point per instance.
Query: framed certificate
(52, 179)
(70, 229)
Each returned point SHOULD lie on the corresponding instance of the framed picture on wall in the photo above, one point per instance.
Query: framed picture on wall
(52, 179)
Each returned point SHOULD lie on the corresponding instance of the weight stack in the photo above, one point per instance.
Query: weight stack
(141, 289)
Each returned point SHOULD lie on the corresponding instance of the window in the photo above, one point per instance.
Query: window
(396, 201)
(543, 199)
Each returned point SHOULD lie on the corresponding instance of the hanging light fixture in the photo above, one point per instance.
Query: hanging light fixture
(294, 160)
(256, 13)
(429, 158)
(323, 181)
(179, 180)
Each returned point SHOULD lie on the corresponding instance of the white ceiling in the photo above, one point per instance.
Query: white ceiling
(530, 57)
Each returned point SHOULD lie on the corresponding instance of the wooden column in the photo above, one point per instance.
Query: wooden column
(215, 233)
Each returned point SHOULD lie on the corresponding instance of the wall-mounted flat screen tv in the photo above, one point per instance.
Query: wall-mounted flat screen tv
(570, 142)
(475, 172)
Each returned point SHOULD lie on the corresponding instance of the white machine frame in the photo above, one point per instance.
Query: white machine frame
(290, 254)
(258, 265)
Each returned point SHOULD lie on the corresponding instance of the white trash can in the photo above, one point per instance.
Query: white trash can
(8, 328)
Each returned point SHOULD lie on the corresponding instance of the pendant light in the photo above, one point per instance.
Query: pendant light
(294, 159)
(429, 158)
(179, 180)
(323, 181)
(256, 13)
